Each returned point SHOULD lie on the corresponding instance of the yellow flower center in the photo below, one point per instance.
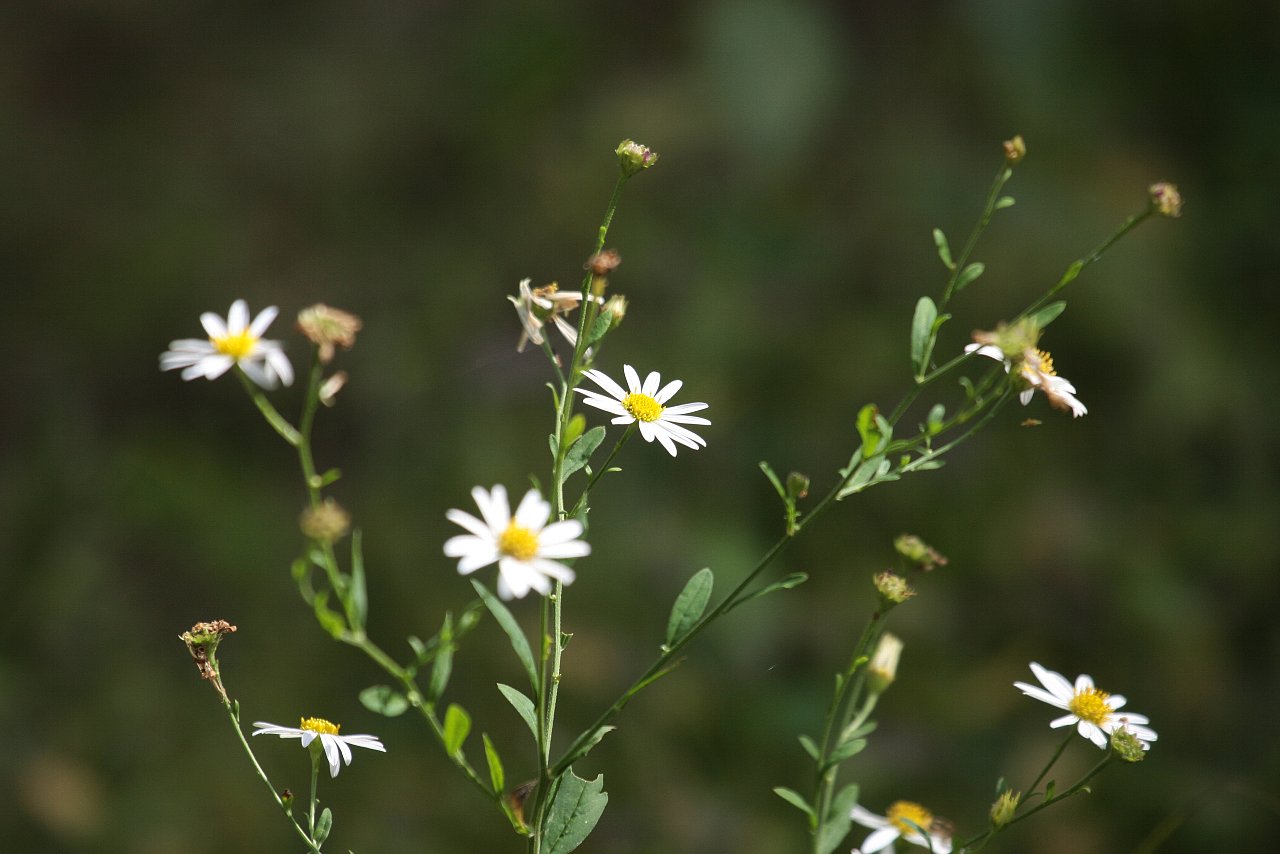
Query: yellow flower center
(1046, 363)
(517, 542)
(237, 345)
(319, 725)
(900, 812)
(1090, 705)
(642, 407)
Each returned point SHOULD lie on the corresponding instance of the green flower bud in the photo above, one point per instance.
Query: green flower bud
(633, 157)
(883, 668)
(1003, 809)
(1127, 746)
(918, 552)
(893, 588)
(797, 485)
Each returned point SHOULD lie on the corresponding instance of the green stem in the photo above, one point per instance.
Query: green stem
(273, 416)
(993, 193)
(315, 779)
(595, 475)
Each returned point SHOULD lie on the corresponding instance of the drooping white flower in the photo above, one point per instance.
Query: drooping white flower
(1036, 368)
(1094, 712)
(337, 748)
(894, 826)
(644, 404)
(234, 341)
(524, 546)
(535, 306)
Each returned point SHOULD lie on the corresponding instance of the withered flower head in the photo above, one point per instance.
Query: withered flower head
(1166, 199)
(327, 523)
(604, 263)
(327, 327)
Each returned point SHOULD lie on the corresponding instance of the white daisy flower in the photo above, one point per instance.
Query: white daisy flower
(523, 546)
(234, 341)
(894, 826)
(535, 306)
(1094, 712)
(337, 748)
(1036, 367)
(645, 405)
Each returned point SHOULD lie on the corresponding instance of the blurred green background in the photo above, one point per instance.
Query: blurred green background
(411, 162)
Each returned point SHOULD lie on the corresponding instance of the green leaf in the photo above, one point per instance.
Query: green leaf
(1072, 271)
(324, 826)
(457, 726)
(869, 429)
(1048, 314)
(581, 451)
(587, 744)
(809, 747)
(384, 700)
(944, 250)
(442, 667)
(359, 596)
(599, 327)
(836, 826)
(794, 798)
(933, 424)
(968, 274)
(773, 478)
(577, 424)
(523, 705)
(509, 625)
(852, 747)
(689, 605)
(1004, 202)
(868, 473)
(496, 775)
(922, 332)
(331, 476)
(795, 579)
(551, 442)
(575, 809)
(330, 620)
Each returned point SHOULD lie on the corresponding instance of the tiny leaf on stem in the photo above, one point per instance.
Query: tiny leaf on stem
(921, 332)
(944, 250)
(324, 826)
(968, 274)
(794, 798)
(523, 706)
(457, 726)
(689, 605)
(496, 775)
(836, 825)
(384, 700)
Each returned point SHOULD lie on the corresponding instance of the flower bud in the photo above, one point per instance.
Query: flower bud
(893, 588)
(1166, 199)
(1002, 811)
(633, 157)
(797, 485)
(330, 387)
(327, 523)
(1014, 150)
(616, 308)
(918, 552)
(883, 668)
(326, 327)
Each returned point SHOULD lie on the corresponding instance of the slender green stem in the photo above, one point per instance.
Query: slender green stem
(315, 781)
(1057, 754)
(604, 467)
(277, 421)
(993, 193)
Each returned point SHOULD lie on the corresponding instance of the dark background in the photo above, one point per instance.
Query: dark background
(411, 162)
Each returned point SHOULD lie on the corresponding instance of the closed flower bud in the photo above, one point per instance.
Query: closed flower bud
(616, 308)
(918, 552)
(883, 668)
(1014, 150)
(1127, 746)
(330, 387)
(797, 485)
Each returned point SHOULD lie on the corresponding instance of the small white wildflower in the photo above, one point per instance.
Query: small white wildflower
(897, 824)
(535, 306)
(336, 747)
(1036, 368)
(645, 405)
(1094, 712)
(523, 546)
(233, 342)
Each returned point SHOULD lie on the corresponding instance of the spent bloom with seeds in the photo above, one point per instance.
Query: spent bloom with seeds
(232, 342)
(901, 822)
(536, 306)
(328, 328)
(336, 747)
(644, 404)
(1093, 711)
(524, 546)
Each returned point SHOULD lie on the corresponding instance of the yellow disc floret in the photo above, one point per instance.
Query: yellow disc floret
(1090, 705)
(901, 812)
(237, 345)
(517, 542)
(319, 725)
(1046, 363)
(642, 407)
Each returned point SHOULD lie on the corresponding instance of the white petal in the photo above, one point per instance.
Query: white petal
(494, 507)
(258, 373)
(533, 511)
(1084, 682)
(647, 430)
(623, 419)
(238, 317)
(633, 379)
(1055, 682)
(280, 363)
(682, 408)
(664, 437)
(605, 382)
(559, 532)
(684, 419)
(573, 548)
(668, 391)
(262, 321)
(880, 839)
(213, 324)
(867, 818)
(1025, 396)
(651, 383)
(331, 753)
(471, 523)
(1040, 694)
(683, 436)
(1065, 720)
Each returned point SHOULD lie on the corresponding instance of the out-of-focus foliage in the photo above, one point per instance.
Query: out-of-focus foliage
(411, 162)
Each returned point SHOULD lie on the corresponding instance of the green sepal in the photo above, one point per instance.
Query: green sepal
(523, 706)
(519, 644)
(575, 808)
(384, 700)
(457, 726)
(689, 605)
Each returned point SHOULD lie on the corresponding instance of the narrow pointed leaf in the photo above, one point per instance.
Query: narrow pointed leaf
(944, 250)
(1048, 314)
(1004, 202)
(509, 625)
(457, 726)
(587, 744)
(359, 595)
(523, 705)
(968, 274)
(921, 332)
(496, 775)
(794, 798)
